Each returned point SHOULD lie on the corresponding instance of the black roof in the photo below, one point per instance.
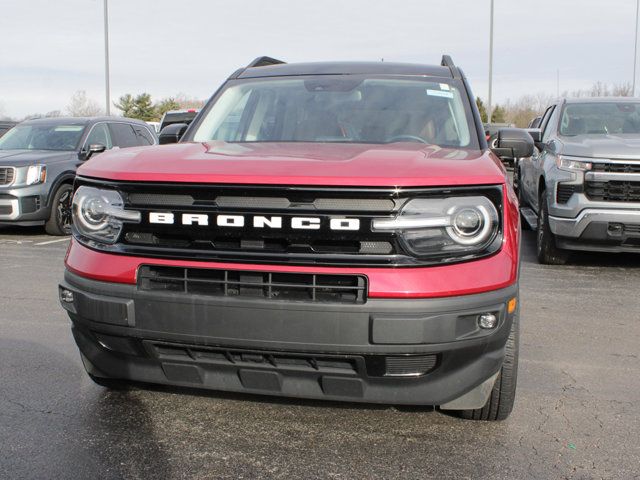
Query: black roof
(82, 120)
(344, 68)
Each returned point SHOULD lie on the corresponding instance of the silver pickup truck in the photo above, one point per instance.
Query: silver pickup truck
(581, 188)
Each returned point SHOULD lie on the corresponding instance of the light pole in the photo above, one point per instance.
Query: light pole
(489, 109)
(106, 58)
(635, 51)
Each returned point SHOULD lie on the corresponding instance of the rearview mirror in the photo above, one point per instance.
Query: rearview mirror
(172, 133)
(91, 150)
(513, 143)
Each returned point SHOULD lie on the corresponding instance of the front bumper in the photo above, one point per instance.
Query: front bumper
(600, 229)
(399, 351)
(24, 205)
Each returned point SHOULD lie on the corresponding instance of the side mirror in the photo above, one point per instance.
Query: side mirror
(93, 149)
(172, 133)
(513, 143)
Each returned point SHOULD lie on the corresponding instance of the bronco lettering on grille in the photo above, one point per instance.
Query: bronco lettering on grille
(257, 221)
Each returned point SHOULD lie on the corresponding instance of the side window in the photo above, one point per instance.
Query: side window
(545, 120)
(143, 135)
(551, 127)
(123, 135)
(99, 135)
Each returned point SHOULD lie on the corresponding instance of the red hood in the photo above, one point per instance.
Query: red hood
(398, 164)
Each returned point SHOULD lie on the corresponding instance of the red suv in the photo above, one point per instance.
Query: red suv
(323, 230)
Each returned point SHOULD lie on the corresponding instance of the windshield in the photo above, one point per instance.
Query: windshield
(600, 118)
(339, 109)
(42, 137)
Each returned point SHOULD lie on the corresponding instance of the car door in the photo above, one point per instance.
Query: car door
(529, 166)
(549, 128)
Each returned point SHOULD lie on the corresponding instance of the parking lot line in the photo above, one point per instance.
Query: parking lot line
(52, 241)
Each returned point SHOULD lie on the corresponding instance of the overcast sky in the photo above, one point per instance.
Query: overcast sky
(49, 49)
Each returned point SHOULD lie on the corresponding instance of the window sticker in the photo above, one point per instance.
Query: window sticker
(439, 93)
(68, 128)
(444, 86)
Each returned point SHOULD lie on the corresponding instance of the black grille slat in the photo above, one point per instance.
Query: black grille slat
(7, 175)
(269, 285)
(613, 191)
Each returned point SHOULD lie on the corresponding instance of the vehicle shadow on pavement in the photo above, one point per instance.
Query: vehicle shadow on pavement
(22, 231)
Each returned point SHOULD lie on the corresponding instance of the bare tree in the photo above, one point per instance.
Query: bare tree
(622, 90)
(185, 101)
(81, 106)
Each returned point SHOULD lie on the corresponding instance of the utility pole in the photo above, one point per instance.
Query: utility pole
(489, 108)
(106, 58)
(635, 51)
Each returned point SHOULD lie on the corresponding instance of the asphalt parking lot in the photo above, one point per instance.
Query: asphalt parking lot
(575, 415)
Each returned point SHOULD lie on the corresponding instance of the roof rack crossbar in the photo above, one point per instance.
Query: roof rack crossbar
(448, 62)
(264, 62)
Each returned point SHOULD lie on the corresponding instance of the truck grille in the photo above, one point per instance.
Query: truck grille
(613, 191)
(244, 283)
(7, 175)
(616, 167)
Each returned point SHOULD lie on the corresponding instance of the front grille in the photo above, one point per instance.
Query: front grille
(410, 365)
(613, 191)
(362, 365)
(616, 167)
(564, 192)
(7, 175)
(242, 358)
(256, 238)
(245, 283)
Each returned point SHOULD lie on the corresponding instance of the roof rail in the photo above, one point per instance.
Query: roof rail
(447, 62)
(264, 62)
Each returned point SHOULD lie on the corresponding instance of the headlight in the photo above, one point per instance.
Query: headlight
(456, 226)
(36, 174)
(573, 164)
(99, 214)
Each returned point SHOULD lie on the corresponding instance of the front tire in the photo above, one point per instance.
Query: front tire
(547, 251)
(59, 222)
(503, 395)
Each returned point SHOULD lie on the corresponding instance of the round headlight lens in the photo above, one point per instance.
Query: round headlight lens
(467, 222)
(472, 224)
(93, 211)
(99, 214)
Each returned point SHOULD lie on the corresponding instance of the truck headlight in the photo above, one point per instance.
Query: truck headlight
(99, 214)
(36, 174)
(573, 164)
(456, 226)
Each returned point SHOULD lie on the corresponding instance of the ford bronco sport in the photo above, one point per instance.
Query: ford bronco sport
(332, 230)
